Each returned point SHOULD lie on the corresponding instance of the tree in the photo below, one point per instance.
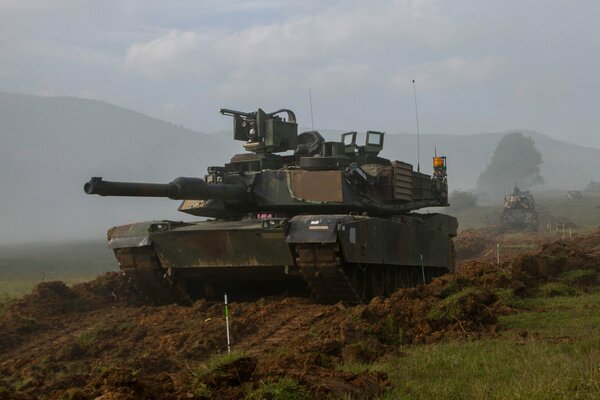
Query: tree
(515, 161)
(462, 200)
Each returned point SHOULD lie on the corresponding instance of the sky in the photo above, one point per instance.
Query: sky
(478, 66)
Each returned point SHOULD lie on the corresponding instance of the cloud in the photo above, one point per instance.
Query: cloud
(449, 73)
(546, 89)
(250, 84)
(330, 33)
(337, 29)
(340, 78)
(169, 55)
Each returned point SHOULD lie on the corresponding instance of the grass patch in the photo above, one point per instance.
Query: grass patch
(453, 307)
(14, 288)
(217, 361)
(583, 212)
(498, 369)
(579, 277)
(554, 289)
(282, 389)
(508, 298)
(551, 350)
(22, 266)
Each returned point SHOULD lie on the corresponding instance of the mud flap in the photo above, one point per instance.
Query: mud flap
(132, 235)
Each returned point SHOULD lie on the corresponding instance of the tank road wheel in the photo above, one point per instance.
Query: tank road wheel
(329, 278)
(404, 277)
(358, 279)
(391, 279)
(377, 281)
(146, 276)
(452, 265)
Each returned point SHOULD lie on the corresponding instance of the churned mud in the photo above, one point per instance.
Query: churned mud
(101, 340)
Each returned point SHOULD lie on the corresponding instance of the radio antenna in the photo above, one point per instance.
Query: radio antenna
(312, 122)
(418, 136)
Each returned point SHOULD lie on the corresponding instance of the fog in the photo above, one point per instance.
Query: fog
(52, 146)
(157, 72)
(479, 66)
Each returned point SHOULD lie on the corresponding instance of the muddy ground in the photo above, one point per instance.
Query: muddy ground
(100, 340)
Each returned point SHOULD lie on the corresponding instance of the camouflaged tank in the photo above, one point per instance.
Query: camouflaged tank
(519, 213)
(331, 216)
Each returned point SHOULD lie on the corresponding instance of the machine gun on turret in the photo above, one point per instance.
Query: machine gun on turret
(264, 132)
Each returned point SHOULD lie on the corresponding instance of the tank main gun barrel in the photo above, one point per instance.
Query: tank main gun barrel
(179, 189)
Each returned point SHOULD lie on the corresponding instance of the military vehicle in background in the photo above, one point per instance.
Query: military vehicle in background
(293, 209)
(519, 213)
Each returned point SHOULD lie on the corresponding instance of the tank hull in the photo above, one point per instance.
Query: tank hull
(519, 220)
(339, 257)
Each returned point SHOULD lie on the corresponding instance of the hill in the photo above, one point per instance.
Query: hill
(565, 166)
(51, 145)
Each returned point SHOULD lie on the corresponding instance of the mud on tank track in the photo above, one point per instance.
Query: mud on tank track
(328, 278)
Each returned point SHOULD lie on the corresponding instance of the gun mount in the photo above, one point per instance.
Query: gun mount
(262, 132)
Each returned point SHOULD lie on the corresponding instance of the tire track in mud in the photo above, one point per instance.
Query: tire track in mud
(290, 323)
(62, 333)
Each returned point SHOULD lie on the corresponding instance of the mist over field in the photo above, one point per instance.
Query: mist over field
(52, 145)
(87, 89)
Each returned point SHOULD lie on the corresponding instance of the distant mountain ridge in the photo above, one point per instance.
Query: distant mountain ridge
(49, 146)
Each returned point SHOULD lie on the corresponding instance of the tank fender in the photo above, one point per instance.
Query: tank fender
(134, 235)
(441, 222)
(315, 228)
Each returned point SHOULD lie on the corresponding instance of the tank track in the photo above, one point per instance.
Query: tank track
(331, 280)
(147, 277)
(322, 269)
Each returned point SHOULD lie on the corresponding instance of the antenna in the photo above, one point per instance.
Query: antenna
(418, 136)
(312, 122)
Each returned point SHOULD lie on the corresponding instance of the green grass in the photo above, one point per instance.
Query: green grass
(216, 362)
(476, 217)
(14, 288)
(25, 265)
(550, 350)
(282, 389)
(554, 289)
(583, 212)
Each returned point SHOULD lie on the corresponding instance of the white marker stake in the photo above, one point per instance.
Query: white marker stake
(422, 268)
(497, 253)
(227, 323)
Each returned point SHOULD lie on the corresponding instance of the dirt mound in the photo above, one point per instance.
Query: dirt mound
(472, 243)
(52, 298)
(554, 260)
(50, 303)
(101, 339)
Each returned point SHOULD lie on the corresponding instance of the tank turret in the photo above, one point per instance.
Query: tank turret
(320, 176)
(334, 214)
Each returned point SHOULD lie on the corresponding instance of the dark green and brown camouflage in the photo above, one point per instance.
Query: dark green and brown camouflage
(518, 212)
(334, 216)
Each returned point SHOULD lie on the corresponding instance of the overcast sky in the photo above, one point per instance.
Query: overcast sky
(479, 66)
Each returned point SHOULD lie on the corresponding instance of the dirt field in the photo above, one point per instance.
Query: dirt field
(100, 340)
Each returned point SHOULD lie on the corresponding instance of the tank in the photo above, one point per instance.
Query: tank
(519, 213)
(293, 211)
